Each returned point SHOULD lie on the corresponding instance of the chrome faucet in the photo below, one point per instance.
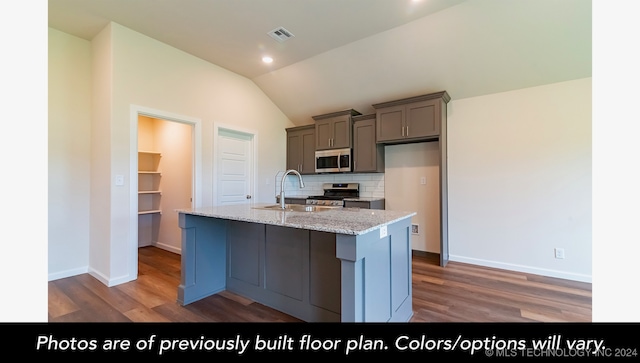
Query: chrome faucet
(282, 204)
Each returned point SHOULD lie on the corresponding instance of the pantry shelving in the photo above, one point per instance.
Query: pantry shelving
(149, 182)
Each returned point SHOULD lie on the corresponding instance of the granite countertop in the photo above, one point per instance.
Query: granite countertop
(352, 221)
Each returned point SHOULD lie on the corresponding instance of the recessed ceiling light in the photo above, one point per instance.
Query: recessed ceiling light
(267, 59)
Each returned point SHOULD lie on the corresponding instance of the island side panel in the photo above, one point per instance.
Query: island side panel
(401, 292)
(376, 272)
(203, 259)
(351, 285)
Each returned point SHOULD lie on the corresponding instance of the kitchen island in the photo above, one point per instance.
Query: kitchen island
(333, 264)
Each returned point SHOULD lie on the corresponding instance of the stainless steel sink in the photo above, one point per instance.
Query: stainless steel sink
(296, 208)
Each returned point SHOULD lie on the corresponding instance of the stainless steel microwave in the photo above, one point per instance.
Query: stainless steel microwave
(333, 161)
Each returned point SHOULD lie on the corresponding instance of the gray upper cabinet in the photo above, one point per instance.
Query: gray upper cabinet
(410, 119)
(368, 156)
(333, 130)
(301, 144)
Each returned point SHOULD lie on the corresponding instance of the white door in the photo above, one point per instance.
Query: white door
(234, 163)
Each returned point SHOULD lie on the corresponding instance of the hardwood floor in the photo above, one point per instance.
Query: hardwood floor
(456, 293)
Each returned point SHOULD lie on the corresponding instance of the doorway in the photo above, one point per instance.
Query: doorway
(166, 157)
(234, 166)
(165, 180)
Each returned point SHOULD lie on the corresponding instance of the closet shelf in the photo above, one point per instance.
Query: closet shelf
(155, 211)
(149, 152)
(149, 172)
(149, 192)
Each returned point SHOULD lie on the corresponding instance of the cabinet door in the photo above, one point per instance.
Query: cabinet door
(294, 149)
(286, 257)
(356, 204)
(324, 271)
(341, 128)
(324, 134)
(364, 146)
(390, 125)
(308, 152)
(244, 251)
(421, 119)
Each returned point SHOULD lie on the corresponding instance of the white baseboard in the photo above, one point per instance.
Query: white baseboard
(68, 273)
(101, 277)
(521, 268)
(111, 281)
(167, 247)
(96, 274)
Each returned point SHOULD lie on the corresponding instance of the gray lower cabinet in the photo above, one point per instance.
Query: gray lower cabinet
(245, 262)
(324, 271)
(369, 204)
(290, 269)
(292, 200)
(285, 250)
(364, 204)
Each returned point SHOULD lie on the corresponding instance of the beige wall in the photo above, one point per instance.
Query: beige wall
(520, 179)
(123, 68)
(100, 251)
(146, 133)
(69, 153)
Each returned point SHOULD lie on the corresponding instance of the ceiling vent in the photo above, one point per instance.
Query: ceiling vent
(280, 34)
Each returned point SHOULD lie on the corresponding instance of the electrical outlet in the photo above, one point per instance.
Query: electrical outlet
(423, 180)
(414, 229)
(559, 252)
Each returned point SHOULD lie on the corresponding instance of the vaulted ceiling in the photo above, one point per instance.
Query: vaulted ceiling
(345, 54)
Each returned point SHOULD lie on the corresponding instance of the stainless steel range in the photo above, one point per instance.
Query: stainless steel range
(334, 194)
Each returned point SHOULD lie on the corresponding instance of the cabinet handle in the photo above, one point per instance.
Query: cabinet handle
(402, 130)
(407, 130)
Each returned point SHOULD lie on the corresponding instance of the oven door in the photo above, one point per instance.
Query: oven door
(333, 161)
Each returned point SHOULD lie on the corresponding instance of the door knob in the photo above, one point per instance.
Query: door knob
(248, 196)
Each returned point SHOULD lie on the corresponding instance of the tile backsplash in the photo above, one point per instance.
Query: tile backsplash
(371, 185)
